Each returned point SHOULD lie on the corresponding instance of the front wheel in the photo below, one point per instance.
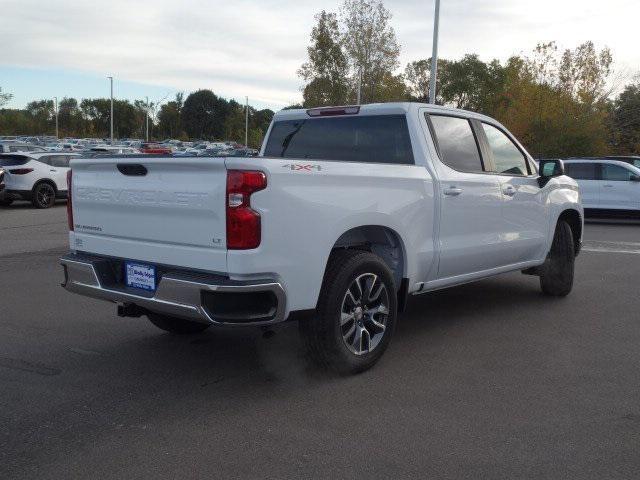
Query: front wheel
(556, 274)
(356, 313)
(6, 202)
(176, 325)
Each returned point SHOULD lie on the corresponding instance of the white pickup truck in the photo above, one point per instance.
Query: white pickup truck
(346, 212)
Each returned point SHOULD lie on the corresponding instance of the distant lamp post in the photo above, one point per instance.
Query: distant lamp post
(111, 80)
(434, 56)
(56, 108)
(246, 122)
(147, 118)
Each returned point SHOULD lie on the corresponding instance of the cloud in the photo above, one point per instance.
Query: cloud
(254, 47)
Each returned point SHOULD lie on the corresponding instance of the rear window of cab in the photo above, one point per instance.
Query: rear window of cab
(366, 139)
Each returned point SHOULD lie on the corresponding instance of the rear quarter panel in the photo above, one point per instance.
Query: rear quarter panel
(309, 204)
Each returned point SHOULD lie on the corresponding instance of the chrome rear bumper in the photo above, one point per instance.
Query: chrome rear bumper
(179, 294)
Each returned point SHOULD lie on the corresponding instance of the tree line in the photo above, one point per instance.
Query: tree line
(558, 103)
(202, 115)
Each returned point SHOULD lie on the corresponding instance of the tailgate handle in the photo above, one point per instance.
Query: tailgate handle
(132, 169)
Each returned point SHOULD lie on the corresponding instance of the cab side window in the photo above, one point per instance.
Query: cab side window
(616, 173)
(507, 157)
(456, 143)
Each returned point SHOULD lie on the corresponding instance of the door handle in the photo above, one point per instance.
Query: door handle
(509, 190)
(453, 191)
(607, 186)
(52, 170)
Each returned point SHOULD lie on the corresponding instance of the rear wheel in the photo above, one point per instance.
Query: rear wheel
(556, 274)
(356, 313)
(44, 196)
(176, 325)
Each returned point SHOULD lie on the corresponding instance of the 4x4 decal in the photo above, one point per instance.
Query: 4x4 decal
(308, 167)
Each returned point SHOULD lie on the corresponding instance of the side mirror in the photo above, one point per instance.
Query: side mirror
(634, 178)
(549, 169)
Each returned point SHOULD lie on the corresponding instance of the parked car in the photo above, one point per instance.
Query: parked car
(2, 186)
(608, 187)
(38, 177)
(348, 211)
(243, 152)
(53, 147)
(12, 147)
(630, 159)
(73, 147)
(109, 150)
(155, 148)
(213, 152)
(185, 152)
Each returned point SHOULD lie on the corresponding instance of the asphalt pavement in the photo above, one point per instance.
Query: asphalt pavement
(488, 380)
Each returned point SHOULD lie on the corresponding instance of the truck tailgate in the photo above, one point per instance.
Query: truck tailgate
(161, 210)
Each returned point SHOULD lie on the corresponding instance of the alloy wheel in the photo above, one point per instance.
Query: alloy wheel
(364, 313)
(45, 195)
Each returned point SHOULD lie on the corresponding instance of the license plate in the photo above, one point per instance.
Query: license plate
(140, 276)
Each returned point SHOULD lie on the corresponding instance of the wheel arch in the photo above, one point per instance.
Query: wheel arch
(574, 219)
(384, 242)
(44, 180)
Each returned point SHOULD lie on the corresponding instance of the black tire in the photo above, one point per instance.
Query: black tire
(323, 333)
(6, 202)
(43, 195)
(556, 274)
(176, 325)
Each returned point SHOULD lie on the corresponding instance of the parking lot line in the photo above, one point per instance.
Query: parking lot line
(611, 247)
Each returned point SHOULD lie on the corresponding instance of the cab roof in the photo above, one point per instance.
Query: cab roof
(393, 108)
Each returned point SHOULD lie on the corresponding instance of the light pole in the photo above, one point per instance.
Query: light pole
(434, 56)
(111, 79)
(56, 106)
(147, 118)
(246, 122)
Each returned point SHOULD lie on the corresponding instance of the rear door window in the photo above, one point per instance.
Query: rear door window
(582, 171)
(507, 157)
(456, 143)
(367, 139)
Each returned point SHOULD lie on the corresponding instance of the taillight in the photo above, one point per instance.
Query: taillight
(69, 200)
(20, 171)
(243, 223)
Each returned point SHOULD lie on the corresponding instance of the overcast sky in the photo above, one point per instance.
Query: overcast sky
(254, 47)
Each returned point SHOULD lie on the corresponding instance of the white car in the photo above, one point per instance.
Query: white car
(347, 212)
(38, 177)
(608, 187)
(113, 150)
(13, 147)
(53, 147)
